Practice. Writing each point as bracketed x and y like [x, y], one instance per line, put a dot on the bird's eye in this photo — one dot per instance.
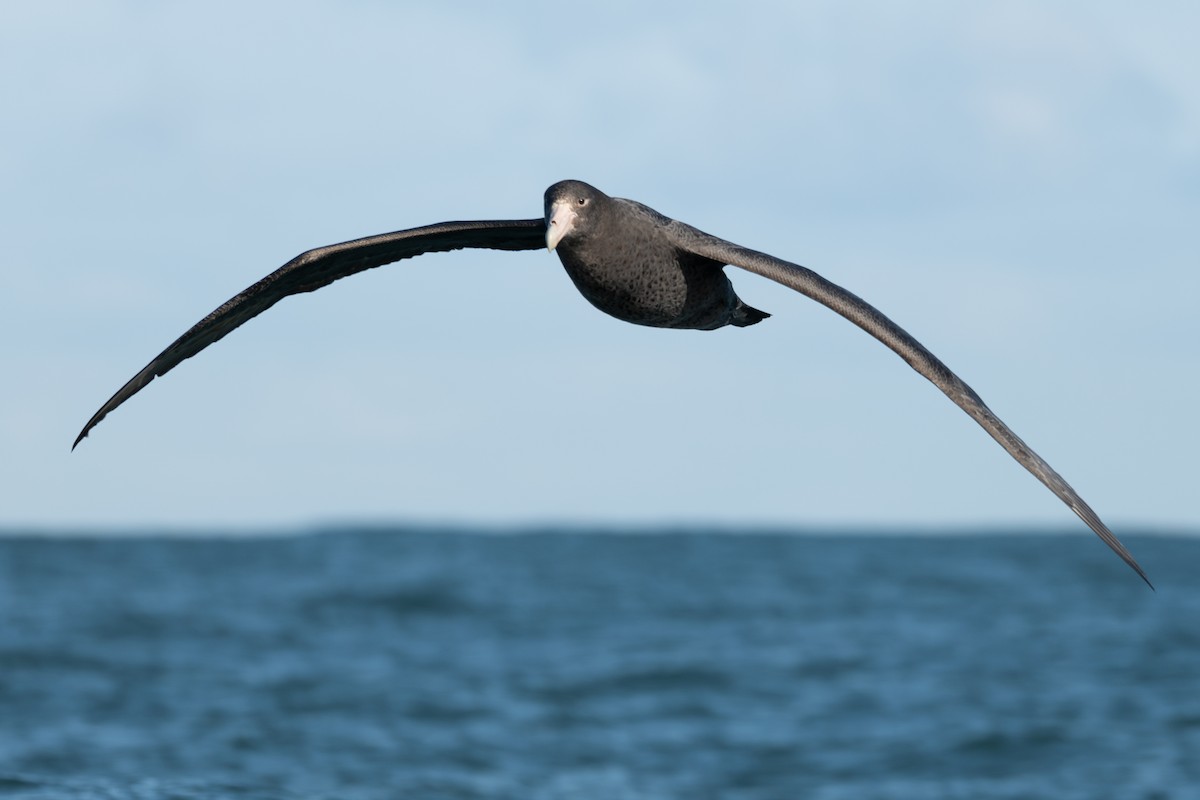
[582, 201]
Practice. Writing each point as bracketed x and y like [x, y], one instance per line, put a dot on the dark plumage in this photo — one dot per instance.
[620, 259]
[628, 261]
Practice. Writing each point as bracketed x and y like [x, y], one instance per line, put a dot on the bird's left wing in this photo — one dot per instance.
[320, 267]
[871, 320]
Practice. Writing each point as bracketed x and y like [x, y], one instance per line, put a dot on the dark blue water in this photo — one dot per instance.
[449, 665]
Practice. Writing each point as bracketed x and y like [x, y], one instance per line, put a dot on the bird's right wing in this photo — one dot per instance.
[320, 267]
[874, 322]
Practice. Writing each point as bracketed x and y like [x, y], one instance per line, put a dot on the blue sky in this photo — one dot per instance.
[1016, 183]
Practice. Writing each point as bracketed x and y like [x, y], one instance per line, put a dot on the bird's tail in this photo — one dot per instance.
[745, 315]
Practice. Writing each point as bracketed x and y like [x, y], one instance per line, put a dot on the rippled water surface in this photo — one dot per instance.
[392, 664]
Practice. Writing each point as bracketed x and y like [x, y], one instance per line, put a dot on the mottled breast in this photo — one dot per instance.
[639, 276]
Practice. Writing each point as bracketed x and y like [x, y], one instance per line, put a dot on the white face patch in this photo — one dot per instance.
[561, 222]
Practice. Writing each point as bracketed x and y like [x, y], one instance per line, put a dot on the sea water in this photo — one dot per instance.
[566, 664]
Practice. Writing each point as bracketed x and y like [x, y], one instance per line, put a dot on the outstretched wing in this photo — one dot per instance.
[320, 267]
[871, 320]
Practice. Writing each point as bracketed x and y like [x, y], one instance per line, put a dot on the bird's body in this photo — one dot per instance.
[626, 265]
[630, 262]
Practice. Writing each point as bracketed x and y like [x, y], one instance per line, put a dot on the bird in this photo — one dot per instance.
[630, 262]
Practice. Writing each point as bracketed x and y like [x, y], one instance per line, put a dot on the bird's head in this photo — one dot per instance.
[570, 210]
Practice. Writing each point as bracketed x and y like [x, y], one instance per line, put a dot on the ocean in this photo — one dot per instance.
[372, 664]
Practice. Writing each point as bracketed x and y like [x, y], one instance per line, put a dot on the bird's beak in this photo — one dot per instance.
[561, 222]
